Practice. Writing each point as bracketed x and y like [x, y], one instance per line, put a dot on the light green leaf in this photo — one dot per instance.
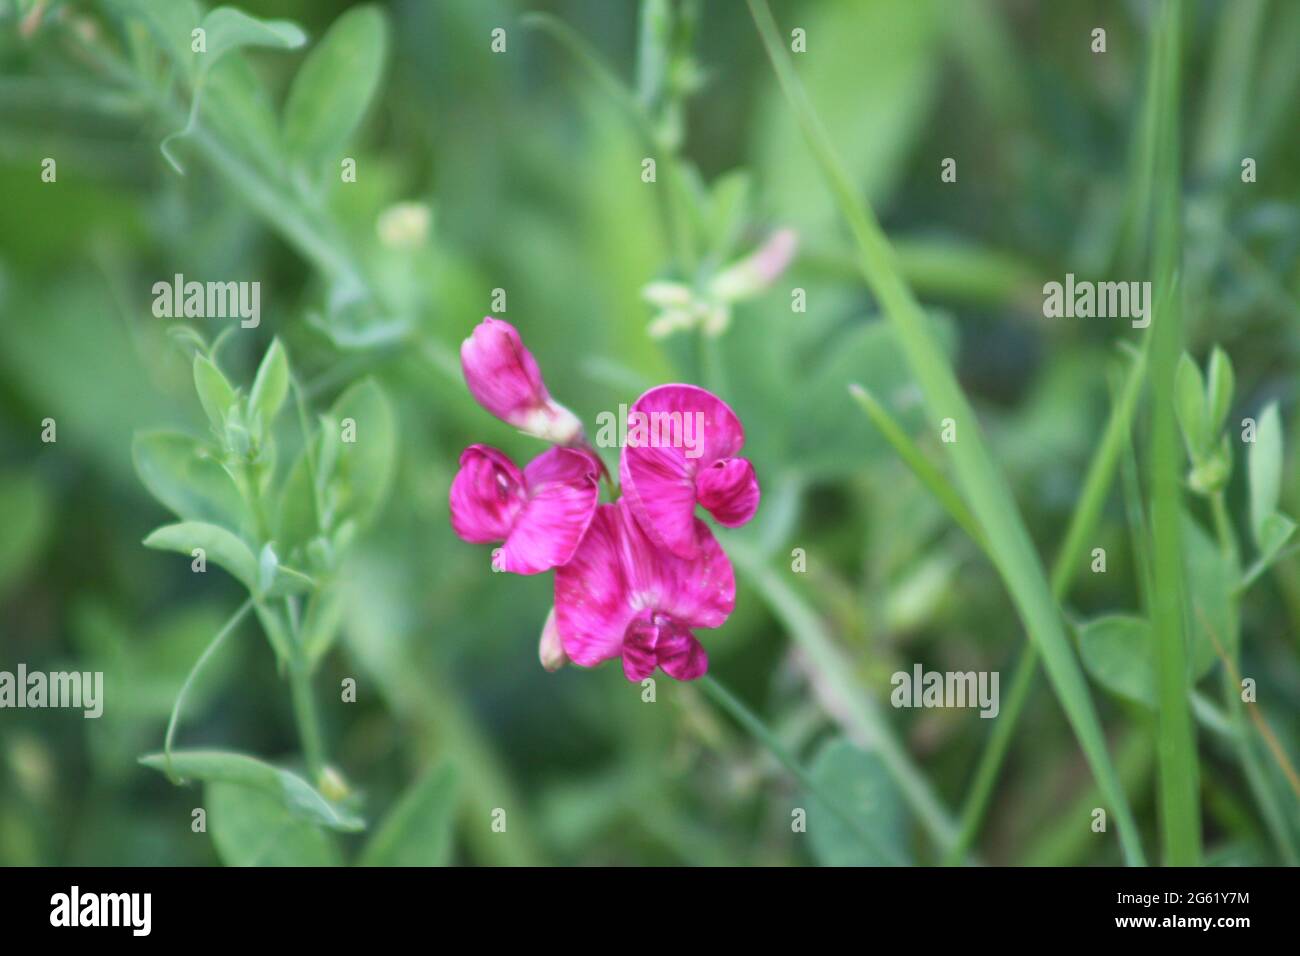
[170, 22]
[1117, 652]
[1219, 389]
[862, 785]
[1265, 470]
[237, 107]
[230, 29]
[219, 545]
[289, 790]
[365, 466]
[335, 85]
[1274, 532]
[1210, 578]
[1189, 406]
[270, 386]
[215, 392]
[417, 831]
[180, 472]
[251, 827]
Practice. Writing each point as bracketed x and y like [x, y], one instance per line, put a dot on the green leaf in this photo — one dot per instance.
[230, 29]
[365, 466]
[295, 519]
[1265, 470]
[219, 545]
[335, 86]
[251, 827]
[170, 22]
[181, 473]
[237, 107]
[1218, 390]
[294, 794]
[1274, 532]
[862, 785]
[1210, 580]
[417, 831]
[1117, 650]
[215, 392]
[271, 385]
[1189, 406]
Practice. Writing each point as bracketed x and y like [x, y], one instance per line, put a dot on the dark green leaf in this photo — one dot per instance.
[862, 785]
[417, 831]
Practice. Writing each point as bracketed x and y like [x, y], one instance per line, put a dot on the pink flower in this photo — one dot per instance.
[622, 596]
[540, 513]
[503, 376]
[683, 453]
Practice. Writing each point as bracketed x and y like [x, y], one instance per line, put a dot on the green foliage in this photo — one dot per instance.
[521, 171]
[297, 797]
[861, 783]
[417, 831]
[334, 87]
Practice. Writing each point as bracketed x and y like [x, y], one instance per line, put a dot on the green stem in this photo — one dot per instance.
[1180, 818]
[304, 712]
[174, 720]
[984, 488]
[752, 723]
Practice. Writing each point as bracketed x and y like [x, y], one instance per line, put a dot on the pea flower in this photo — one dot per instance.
[621, 595]
[663, 480]
[504, 378]
[540, 513]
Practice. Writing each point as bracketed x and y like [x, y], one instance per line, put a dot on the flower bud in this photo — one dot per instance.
[504, 378]
[551, 650]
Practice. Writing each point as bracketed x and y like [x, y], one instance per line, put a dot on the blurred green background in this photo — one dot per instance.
[531, 171]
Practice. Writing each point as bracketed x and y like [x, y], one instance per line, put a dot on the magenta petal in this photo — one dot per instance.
[728, 490]
[639, 648]
[658, 487]
[659, 480]
[699, 592]
[486, 495]
[592, 608]
[501, 374]
[679, 653]
[561, 491]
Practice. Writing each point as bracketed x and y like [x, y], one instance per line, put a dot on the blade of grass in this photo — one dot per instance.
[990, 498]
[926, 473]
[1069, 561]
[1180, 823]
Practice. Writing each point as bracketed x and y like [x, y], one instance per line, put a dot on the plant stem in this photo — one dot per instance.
[304, 712]
[1180, 822]
[990, 499]
[752, 723]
